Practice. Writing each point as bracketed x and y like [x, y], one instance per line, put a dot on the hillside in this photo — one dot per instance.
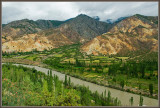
[133, 33]
[18, 28]
[83, 28]
[27, 35]
[44, 40]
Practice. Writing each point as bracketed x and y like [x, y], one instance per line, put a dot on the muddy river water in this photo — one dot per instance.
[121, 95]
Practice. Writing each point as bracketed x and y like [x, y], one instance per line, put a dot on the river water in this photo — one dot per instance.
[121, 95]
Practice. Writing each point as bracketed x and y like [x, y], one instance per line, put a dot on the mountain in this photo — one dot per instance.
[44, 40]
[3, 25]
[19, 28]
[83, 28]
[46, 24]
[132, 33]
[96, 18]
[110, 21]
[137, 32]
[47, 34]
[120, 19]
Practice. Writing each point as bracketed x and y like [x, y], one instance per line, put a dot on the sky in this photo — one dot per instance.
[12, 11]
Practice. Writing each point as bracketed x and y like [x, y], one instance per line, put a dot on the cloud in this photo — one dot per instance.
[64, 10]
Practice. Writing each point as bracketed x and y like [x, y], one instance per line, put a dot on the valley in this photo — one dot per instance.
[96, 69]
[121, 57]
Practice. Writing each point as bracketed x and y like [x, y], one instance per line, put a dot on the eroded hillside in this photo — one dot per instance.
[133, 33]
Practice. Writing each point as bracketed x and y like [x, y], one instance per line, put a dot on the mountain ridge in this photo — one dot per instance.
[98, 37]
[78, 29]
[133, 33]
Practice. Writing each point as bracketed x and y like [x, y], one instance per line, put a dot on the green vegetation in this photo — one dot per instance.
[151, 88]
[141, 101]
[128, 71]
[28, 87]
[131, 101]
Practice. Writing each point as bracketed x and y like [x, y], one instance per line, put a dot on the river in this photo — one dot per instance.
[121, 95]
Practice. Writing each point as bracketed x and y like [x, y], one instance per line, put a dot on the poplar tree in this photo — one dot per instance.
[65, 81]
[141, 101]
[109, 97]
[69, 82]
[131, 101]
[151, 89]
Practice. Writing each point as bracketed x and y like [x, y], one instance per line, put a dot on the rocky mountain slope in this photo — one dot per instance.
[133, 33]
[19, 28]
[55, 33]
[40, 41]
[83, 28]
[137, 32]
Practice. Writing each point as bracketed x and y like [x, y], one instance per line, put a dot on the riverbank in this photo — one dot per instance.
[121, 95]
[126, 88]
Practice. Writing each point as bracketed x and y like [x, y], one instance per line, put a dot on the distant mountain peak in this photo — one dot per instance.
[82, 16]
[110, 21]
[96, 18]
[24, 19]
[138, 15]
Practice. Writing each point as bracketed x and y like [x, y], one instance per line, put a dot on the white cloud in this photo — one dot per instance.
[64, 10]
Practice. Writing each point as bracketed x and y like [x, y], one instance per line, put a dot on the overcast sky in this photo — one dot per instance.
[64, 10]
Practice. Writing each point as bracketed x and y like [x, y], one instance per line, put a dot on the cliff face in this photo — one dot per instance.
[133, 33]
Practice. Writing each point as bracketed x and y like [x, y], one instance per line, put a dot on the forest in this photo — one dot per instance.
[24, 86]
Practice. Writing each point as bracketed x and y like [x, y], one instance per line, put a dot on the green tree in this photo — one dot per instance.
[131, 101]
[78, 64]
[105, 93]
[141, 101]
[109, 97]
[65, 81]
[71, 99]
[46, 93]
[140, 86]
[69, 81]
[142, 70]
[50, 82]
[151, 89]
[122, 83]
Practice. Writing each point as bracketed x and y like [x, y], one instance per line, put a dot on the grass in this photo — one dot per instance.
[122, 57]
[58, 55]
[105, 70]
[134, 82]
[21, 56]
[72, 60]
[31, 57]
